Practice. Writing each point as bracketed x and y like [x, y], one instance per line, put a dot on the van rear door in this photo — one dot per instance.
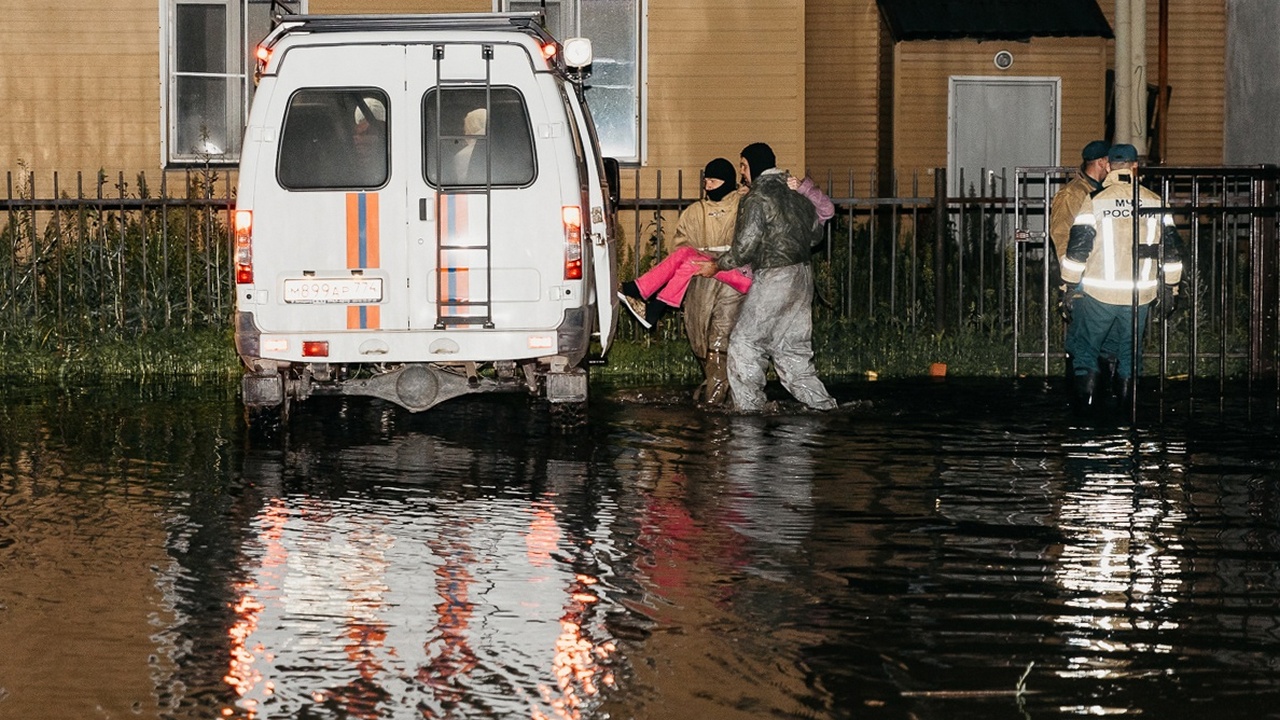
[326, 231]
[494, 168]
[604, 250]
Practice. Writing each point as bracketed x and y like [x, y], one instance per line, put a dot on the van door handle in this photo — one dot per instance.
[426, 209]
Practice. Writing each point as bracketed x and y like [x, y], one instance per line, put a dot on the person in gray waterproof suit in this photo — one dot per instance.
[776, 232]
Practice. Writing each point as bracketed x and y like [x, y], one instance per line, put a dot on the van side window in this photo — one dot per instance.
[467, 142]
[334, 138]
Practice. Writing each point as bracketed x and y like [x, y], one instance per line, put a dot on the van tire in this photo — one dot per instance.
[266, 420]
[567, 415]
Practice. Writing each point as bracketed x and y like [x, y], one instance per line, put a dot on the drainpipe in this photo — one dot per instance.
[1123, 73]
[1131, 74]
[1138, 26]
[1161, 151]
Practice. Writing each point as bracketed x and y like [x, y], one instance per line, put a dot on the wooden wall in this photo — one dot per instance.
[80, 83]
[1197, 74]
[396, 7]
[723, 74]
[923, 69]
[843, 89]
[81, 86]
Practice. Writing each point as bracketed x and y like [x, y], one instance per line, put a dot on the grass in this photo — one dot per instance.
[206, 353]
[842, 351]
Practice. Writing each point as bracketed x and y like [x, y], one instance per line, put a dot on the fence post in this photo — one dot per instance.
[1262, 266]
[939, 246]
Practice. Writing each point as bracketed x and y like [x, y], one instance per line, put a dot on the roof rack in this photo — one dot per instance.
[528, 22]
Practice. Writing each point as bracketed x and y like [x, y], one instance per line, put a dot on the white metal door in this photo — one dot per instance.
[997, 124]
[493, 249]
[329, 212]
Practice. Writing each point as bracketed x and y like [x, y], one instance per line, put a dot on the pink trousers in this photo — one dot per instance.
[670, 278]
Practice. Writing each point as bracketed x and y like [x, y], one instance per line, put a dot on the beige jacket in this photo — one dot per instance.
[707, 224]
[1100, 253]
[1066, 204]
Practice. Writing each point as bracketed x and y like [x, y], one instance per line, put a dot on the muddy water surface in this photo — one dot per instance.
[953, 549]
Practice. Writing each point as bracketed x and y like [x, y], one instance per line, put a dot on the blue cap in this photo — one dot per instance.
[1123, 152]
[1095, 150]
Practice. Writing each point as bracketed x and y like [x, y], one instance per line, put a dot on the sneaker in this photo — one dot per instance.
[630, 289]
[654, 310]
[637, 308]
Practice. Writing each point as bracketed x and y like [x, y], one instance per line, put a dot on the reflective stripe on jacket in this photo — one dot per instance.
[1100, 252]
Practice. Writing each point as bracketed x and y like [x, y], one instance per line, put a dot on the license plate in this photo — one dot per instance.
[333, 290]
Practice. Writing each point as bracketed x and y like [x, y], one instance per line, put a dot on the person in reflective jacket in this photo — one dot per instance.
[1098, 271]
[776, 231]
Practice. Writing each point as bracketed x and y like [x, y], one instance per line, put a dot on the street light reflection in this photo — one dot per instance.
[1120, 567]
[471, 604]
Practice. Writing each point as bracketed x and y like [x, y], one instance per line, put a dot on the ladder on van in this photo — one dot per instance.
[459, 254]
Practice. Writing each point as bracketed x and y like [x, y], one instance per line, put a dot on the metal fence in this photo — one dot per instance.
[1228, 220]
[123, 256]
[917, 257]
[110, 255]
[884, 252]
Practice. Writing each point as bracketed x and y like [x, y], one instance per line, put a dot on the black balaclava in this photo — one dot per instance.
[759, 158]
[721, 169]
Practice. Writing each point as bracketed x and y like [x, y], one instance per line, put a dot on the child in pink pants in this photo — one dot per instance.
[665, 285]
[669, 279]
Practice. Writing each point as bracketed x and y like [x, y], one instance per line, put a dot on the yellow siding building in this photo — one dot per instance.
[87, 84]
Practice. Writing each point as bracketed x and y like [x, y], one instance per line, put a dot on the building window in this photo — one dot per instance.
[205, 61]
[615, 88]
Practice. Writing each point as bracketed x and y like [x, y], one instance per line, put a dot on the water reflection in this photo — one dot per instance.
[466, 593]
[909, 559]
[1120, 565]
[721, 532]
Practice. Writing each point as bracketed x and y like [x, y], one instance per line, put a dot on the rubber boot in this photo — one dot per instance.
[717, 383]
[1083, 390]
[1122, 389]
[630, 289]
[1105, 383]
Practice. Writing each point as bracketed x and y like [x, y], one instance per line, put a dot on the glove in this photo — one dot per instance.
[1168, 300]
[1066, 300]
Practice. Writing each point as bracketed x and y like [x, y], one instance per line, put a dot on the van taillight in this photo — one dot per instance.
[263, 56]
[244, 247]
[572, 215]
[315, 348]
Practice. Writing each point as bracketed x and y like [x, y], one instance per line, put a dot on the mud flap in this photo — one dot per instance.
[569, 386]
[262, 390]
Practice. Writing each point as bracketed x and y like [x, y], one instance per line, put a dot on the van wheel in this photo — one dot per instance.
[265, 420]
[567, 415]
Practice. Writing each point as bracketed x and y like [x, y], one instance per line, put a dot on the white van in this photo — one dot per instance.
[422, 213]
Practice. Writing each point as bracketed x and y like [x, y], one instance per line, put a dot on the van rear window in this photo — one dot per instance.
[334, 138]
[472, 139]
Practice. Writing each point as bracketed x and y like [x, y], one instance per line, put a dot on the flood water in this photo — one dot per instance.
[934, 549]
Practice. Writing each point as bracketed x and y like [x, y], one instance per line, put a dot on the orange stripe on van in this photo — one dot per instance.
[364, 317]
[363, 250]
[455, 286]
[454, 282]
[453, 217]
